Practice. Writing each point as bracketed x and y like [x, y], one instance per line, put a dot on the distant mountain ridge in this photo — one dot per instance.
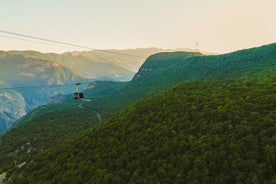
[99, 64]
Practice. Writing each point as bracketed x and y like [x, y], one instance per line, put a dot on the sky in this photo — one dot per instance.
[218, 26]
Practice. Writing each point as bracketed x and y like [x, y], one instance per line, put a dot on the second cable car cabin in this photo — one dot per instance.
[77, 94]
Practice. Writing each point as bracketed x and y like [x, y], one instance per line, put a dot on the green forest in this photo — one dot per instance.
[194, 133]
[183, 118]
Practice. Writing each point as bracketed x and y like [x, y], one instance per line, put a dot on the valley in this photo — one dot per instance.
[138, 92]
[31, 68]
[184, 117]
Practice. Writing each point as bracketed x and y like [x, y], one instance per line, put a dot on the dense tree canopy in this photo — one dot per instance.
[194, 133]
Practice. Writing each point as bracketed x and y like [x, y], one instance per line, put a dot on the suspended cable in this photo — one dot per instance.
[43, 39]
[65, 43]
[48, 41]
[45, 43]
[44, 86]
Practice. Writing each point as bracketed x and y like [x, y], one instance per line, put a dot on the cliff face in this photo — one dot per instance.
[13, 107]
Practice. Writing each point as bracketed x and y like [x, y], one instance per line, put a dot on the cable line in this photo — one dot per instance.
[44, 86]
[52, 42]
[43, 39]
[65, 43]
[34, 41]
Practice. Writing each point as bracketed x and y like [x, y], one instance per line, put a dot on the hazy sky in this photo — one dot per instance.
[217, 25]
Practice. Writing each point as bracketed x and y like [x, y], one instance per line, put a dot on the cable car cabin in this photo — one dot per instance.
[78, 95]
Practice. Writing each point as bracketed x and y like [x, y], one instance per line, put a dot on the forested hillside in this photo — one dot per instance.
[197, 132]
[164, 70]
[251, 70]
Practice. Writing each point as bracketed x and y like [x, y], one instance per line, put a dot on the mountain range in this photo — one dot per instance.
[183, 118]
[32, 68]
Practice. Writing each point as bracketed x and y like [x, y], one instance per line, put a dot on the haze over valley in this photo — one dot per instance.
[32, 68]
[138, 92]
